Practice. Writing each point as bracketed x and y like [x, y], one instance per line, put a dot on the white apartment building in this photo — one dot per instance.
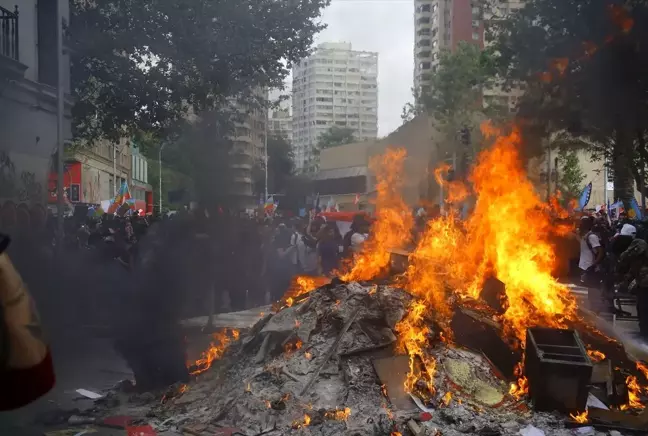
[281, 124]
[335, 86]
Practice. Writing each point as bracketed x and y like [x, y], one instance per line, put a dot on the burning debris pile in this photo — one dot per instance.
[346, 358]
[457, 344]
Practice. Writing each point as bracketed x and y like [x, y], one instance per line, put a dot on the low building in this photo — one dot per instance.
[141, 189]
[344, 177]
[28, 103]
[94, 174]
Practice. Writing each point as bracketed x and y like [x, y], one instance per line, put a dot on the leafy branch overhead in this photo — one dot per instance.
[336, 136]
[584, 64]
[143, 65]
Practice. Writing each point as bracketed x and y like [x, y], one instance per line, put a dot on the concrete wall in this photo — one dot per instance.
[345, 156]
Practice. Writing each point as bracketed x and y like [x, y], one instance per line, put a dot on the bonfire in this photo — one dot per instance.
[441, 347]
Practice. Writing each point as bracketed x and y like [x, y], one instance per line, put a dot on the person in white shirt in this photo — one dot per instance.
[305, 254]
[591, 257]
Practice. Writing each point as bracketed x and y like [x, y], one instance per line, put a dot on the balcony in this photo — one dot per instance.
[9, 47]
[9, 33]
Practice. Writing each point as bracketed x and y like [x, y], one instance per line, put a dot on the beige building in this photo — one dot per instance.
[344, 170]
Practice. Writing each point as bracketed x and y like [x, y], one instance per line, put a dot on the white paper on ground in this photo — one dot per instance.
[530, 430]
[594, 402]
[89, 394]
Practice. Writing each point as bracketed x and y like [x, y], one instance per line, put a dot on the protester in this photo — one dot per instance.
[328, 249]
[26, 369]
[282, 266]
[591, 258]
[356, 236]
[633, 265]
[305, 255]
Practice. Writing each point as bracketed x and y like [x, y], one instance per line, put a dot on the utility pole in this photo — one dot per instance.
[114, 170]
[265, 146]
[605, 182]
[160, 168]
[60, 116]
[548, 172]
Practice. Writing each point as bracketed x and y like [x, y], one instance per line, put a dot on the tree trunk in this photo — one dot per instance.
[624, 185]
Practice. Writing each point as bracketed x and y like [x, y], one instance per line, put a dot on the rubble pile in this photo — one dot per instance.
[331, 363]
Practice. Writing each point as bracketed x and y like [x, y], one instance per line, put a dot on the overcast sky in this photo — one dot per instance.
[384, 26]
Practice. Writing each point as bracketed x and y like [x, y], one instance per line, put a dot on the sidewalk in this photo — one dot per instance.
[237, 320]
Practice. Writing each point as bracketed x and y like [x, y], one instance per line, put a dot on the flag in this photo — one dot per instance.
[585, 197]
[616, 209]
[123, 196]
[634, 206]
[357, 199]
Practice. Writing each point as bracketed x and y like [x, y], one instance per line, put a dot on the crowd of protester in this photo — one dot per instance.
[613, 263]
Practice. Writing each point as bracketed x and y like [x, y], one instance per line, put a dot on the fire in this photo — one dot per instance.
[289, 301]
[456, 191]
[413, 334]
[216, 350]
[521, 387]
[339, 414]
[290, 347]
[393, 220]
[579, 417]
[396, 433]
[299, 286]
[183, 389]
[596, 355]
[634, 392]
[383, 388]
[643, 368]
[304, 423]
[447, 398]
[268, 404]
[308, 355]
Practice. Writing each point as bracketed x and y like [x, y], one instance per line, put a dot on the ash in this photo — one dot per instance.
[309, 369]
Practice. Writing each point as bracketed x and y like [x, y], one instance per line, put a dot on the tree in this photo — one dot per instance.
[144, 65]
[570, 177]
[584, 66]
[336, 136]
[454, 98]
[280, 166]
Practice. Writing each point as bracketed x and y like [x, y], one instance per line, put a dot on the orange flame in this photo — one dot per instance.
[634, 392]
[216, 350]
[338, 414]
[413, 333]
[580, 417]
[393, 221]
[308, 355]
[447, 398]
[596, 355]
[643, 368]
[456, 191]
[303, 423]
[520, 388]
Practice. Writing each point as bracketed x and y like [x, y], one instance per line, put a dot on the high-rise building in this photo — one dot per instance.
[442, 25]
[281, 124]
[495, 95]
[335, 86]
[248, 149]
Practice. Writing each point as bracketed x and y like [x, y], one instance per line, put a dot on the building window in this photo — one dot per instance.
[424, 43]
[426, 8]
[425, 65]
[424, 20]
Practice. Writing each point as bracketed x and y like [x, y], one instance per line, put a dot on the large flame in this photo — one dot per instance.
[393, 220]
[506, 236]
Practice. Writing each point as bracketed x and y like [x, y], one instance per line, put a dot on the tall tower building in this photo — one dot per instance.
[335, 86]
[442, 25]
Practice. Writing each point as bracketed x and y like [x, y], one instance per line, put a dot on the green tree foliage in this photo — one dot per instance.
[280, 166]
[336, 136]
[455, 91]
[570, 176]
[142, 64]
[584, 65]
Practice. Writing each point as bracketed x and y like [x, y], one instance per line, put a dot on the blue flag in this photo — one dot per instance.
[585, 197]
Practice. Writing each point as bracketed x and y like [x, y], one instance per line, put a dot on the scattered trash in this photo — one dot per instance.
[89, 394]
[530, 430]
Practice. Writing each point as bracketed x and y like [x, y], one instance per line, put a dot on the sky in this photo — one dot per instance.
[386, 27]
